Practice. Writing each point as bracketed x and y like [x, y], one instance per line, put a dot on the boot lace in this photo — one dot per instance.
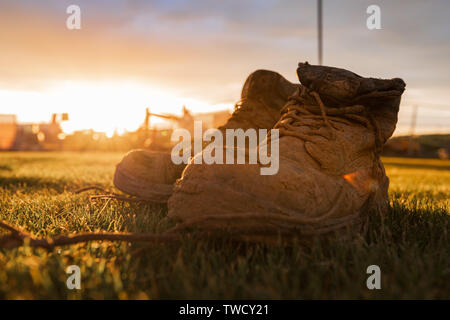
[306, 107]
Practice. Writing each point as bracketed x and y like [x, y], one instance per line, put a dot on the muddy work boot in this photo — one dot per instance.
[330, 174]
[151, 175]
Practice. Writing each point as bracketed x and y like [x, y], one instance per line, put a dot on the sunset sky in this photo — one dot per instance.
[162, 54]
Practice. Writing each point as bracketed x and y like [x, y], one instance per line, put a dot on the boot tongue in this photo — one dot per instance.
[339, 87]
[270, 86]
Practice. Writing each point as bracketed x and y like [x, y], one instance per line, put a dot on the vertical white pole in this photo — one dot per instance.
[319, 27]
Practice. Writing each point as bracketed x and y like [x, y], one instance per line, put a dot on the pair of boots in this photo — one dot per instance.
[332, 127]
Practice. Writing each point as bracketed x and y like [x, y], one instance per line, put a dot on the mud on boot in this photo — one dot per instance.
[151, 175]
[330, 174]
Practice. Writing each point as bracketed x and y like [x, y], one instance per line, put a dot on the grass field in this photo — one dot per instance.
[411, 244]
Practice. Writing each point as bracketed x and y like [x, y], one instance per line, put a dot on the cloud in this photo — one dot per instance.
[201, 53]
[204, 49]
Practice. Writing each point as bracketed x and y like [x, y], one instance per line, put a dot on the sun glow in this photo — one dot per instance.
[106, 107]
